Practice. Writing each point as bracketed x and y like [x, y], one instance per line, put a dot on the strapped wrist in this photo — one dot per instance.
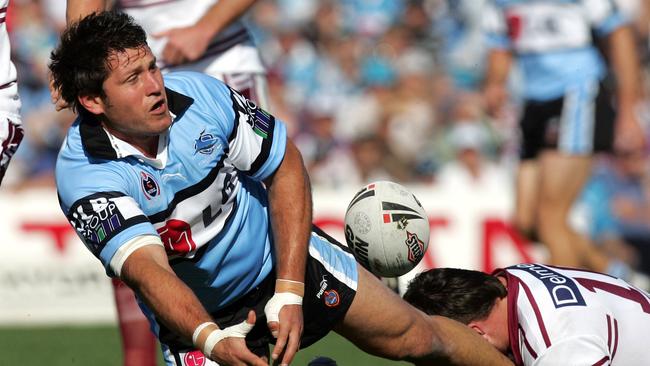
[294, 287]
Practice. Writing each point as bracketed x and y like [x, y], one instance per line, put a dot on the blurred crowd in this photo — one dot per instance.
[369, 89]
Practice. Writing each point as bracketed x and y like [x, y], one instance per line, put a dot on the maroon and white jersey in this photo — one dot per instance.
[11, 131]
[9, 102]
[231, 51]
[561, 316]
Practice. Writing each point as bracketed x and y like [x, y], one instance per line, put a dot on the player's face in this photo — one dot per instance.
[135, 105]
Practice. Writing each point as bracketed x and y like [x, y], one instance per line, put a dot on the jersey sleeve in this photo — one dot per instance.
[580, 350]
[604, 16]
[495, 27]
[257, 142]
[103, 216]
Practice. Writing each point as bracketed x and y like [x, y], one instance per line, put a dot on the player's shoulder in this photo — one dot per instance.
[78, 175]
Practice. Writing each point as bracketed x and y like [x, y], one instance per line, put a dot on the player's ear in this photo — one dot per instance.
[92, 103]
[475, 326]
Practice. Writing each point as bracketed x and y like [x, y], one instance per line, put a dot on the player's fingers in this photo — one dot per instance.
[283, 336]
[292, 347]
[249, 358]
[273, 327]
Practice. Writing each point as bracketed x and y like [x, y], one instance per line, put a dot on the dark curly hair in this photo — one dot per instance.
[459, 294]
[80, 64]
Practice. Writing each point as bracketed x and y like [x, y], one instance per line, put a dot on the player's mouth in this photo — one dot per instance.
[159, 107]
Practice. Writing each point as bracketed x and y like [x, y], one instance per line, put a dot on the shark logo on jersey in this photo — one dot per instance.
[260, 121]
[149, 185]
[205, 143]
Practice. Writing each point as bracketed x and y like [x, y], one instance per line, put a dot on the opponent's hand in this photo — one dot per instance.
[232, 350]
[184, 44]
[285, 320]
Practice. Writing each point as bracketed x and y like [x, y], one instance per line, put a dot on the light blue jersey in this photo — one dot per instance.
[202, 194]
[552, 41]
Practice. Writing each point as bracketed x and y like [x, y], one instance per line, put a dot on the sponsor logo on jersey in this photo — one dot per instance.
[323, 287]
[562, 289]
[194, 358]
[149, 185]
[176, 236]
[205, 143]
[416, 247]
[331, 298]
[260, 121]
[97, 218]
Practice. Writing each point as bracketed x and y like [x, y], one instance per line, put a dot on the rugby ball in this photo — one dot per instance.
[386, 229]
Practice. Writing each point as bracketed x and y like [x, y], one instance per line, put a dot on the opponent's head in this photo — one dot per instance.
[104, 66]
[470, 297]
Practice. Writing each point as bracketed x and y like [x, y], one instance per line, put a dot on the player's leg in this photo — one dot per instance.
[527, 193]
[562, 179]
[138, 343]
[253, 86]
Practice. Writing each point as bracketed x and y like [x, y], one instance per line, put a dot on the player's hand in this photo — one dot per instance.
[233, 350]
[495, 96]
[629, 133]
[184, 44]
[285, 320]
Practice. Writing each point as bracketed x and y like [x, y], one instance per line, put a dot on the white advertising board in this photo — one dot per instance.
[48, 277]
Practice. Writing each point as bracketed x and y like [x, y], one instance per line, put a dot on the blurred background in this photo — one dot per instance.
[370, 90]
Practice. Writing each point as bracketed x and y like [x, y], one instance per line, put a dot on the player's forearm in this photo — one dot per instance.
[498, 67]
[462, 346]
[77, 9]
[625, 64]
[146, 271]
[291, 214]
[221, 14]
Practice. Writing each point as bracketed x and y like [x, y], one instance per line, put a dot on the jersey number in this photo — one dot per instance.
[627, 293]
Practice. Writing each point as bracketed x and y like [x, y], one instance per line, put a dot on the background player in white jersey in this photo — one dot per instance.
[199, 35]
[543, 315]
[11, 130]
[201, 204]
[568, 113]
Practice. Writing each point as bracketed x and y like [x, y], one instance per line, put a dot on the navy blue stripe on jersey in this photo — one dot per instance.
[99, 217]
[190, 191]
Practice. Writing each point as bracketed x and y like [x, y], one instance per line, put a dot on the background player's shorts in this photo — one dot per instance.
[580, 123]
[11, 133]
[330, 285]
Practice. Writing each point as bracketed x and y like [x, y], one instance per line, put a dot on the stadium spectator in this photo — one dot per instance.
[210, 37]
[542, 315]
[11, 130]
[567, 111]
[616, 203]
[177, 206]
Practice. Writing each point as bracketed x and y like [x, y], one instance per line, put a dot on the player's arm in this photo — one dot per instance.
[459, 345]
[189, 43]
[291, 215]
[496, 77]
[148, 273]
[625, 65]
[78, 9]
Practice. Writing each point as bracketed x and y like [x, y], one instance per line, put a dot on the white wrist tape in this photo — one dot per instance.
[198, 330]
[237, 331]
[280, 299]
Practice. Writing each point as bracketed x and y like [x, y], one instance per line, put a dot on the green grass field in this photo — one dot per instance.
[99, 346]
